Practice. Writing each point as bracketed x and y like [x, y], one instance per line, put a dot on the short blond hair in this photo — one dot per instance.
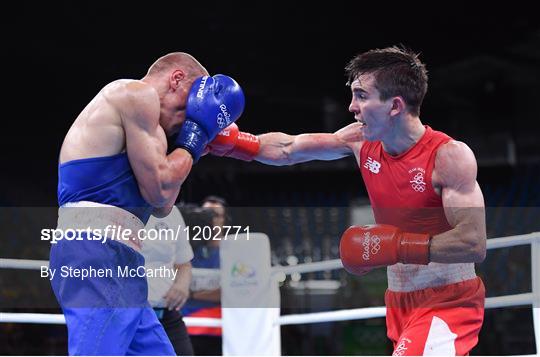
[177, 59]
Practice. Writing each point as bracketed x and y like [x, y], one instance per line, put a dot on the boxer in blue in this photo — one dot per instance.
[114, 171]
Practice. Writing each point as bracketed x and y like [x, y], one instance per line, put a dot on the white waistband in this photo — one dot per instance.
[93, 215]
[411, 277]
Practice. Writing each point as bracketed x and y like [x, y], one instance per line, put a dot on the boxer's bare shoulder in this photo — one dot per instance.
[455, 165]
[99, 128]
[130, 96]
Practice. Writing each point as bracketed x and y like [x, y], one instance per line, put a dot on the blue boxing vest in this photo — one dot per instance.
[108, 180]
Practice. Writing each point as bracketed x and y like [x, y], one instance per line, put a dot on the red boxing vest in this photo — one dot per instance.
[400, 188]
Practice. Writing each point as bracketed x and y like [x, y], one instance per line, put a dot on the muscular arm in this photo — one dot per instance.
[159, 175]
[280, 149]
[463, 202]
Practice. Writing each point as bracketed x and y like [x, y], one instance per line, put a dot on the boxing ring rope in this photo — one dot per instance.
[60, 320]
[532, 298]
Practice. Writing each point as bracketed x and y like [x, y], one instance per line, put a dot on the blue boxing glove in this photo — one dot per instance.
[213, 104]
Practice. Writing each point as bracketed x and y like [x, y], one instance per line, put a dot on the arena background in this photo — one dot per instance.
[484, 68]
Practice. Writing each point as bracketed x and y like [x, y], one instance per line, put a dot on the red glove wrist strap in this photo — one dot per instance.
[414, 248]
[246, 148]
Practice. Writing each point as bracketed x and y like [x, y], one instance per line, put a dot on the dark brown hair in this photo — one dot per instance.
[397, 72]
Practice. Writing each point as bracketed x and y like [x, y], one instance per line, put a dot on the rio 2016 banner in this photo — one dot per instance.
[250, 297]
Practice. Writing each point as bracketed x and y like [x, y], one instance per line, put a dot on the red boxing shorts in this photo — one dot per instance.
[442, 321]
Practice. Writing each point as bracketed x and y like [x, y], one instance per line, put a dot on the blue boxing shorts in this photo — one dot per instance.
[103, 296]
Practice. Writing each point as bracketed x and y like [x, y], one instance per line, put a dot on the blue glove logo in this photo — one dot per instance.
[220, 120]
[223, 118]
[213, 104]
[201, 87]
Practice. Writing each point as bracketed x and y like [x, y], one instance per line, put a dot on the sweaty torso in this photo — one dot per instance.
[94, 164]
[403, 192]
[98, 130]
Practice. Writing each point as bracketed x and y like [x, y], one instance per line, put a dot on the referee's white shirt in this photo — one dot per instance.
[172, 248]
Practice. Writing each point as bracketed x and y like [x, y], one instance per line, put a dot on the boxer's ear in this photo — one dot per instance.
[176, 78]
[398, 106]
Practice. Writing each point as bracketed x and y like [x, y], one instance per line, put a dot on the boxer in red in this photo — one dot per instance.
[428, 206]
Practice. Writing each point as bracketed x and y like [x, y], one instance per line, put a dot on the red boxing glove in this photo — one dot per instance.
[231, 142]
[377, 245]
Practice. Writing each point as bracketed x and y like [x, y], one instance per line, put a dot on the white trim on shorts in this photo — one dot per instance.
[87, 216]
[412, 277]
[441, 341]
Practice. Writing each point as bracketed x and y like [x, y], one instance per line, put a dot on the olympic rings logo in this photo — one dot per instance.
[417, 183]
[371, 245]
[220, 120]
[375, 245]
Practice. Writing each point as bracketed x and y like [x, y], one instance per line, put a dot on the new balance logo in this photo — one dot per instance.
[372, 165]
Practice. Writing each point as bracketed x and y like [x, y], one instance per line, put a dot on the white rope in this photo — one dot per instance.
[328, 316]
[293, 319]
[509, 300]
[32, 318]
[59, 319]
[492, 243]
[22, 264]
[512, 241]
[308, 267]
[373, 312]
